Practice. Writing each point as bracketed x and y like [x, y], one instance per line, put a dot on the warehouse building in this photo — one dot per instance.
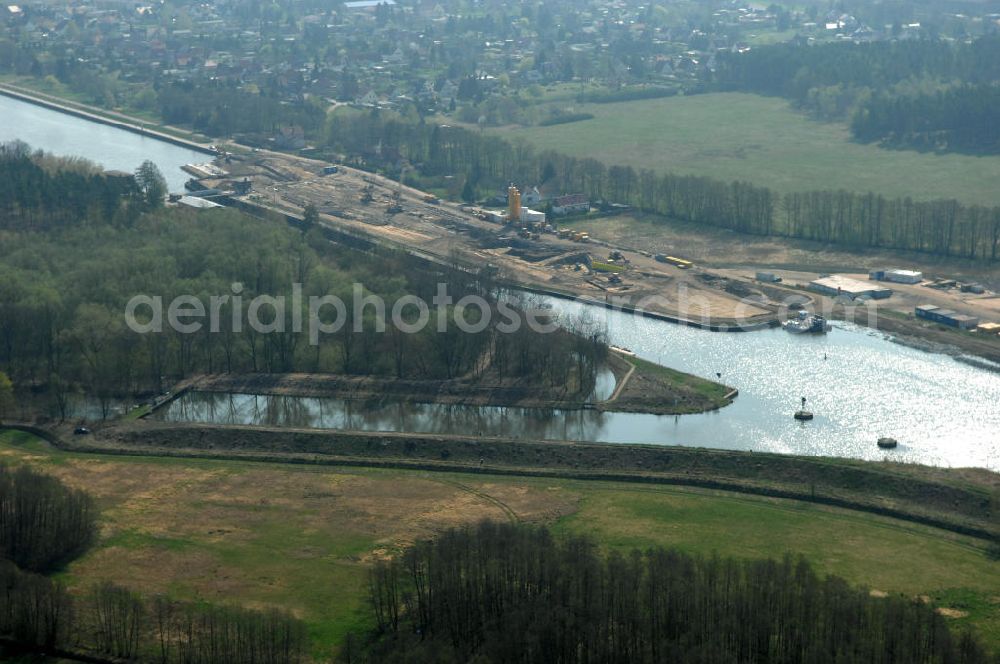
[946, 317]
[836, 285]
[897, 276]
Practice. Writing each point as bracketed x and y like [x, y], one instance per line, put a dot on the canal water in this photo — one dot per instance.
[859, 383]
[113, 148]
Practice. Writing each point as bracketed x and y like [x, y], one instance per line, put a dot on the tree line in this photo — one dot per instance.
[963, 118]
[38, 613]
[514, 593]
[791, 69]
[940, 227]
[40, 191]
[64, 290]
[927, 94]
[45, 525]
[219, 109]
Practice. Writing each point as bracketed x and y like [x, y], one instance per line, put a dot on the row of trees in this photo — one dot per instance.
[39, 191]
[927, 94]
[961, 118]
[792, 69]
[942, 227]
[220, 109]
[43, 524]
[509, 593]
[38, 613]
[125, 625]
[64, 291]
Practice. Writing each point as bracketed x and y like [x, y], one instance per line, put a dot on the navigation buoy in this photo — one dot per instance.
[803, 415]
[887, 443]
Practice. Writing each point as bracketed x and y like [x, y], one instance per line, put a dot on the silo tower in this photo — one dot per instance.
[513, 205]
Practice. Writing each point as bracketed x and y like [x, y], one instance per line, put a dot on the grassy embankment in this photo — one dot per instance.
[963, 500]
[735, 136]
[652, 388]
[265, 534]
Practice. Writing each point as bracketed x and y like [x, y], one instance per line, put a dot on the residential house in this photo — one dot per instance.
[570, 204]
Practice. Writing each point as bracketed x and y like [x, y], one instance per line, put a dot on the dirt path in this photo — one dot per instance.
[621, 383]
[496, 502]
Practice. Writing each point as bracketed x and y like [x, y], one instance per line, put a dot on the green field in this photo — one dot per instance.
[761, 139]
[301, 538]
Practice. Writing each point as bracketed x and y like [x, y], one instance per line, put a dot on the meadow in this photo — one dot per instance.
[735, 136]
[302, 538]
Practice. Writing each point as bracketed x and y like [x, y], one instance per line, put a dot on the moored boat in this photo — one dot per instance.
[622, 351]
[807, 323]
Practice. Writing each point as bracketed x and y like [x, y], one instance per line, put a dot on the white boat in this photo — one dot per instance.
[622, 351]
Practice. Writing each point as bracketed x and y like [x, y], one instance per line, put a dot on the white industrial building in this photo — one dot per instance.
[836, 284]
[897, 276]
[527, 216]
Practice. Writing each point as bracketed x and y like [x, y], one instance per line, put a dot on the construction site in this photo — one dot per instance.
[515, 243]
[520, 247]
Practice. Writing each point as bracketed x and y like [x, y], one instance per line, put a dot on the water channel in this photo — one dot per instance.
[111, 147]
[859, 383]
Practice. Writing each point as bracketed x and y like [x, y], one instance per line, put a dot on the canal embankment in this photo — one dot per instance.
[640, 387]
[960, 500]
[100, 116]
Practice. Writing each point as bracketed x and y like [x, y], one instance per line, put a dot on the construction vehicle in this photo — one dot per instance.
[395, 203]
[673, 260]
[368, 193]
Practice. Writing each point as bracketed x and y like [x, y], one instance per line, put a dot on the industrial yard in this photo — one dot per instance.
[519, 247]
[393, 214]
